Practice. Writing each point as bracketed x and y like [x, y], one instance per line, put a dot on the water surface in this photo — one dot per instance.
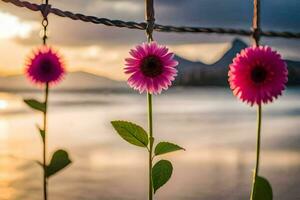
[217, 131]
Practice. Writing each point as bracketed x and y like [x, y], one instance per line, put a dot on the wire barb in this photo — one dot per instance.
[45, 10]
[149, 29]
[156, 27]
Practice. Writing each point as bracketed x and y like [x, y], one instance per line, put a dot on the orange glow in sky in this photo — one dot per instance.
[95, 59]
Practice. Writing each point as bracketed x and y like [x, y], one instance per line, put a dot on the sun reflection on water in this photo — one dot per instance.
[3, 130]
[8, 173]
[3, 104]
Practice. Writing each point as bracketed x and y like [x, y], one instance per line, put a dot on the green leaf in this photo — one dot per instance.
[161, 173]
[262, 189]
[132, 133]
[166, 147]
[42, 132]
[59, 161]
[35, 104]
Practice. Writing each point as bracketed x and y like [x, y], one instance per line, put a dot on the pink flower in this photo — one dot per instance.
[45, 66]
[151, 68]
[258, 75]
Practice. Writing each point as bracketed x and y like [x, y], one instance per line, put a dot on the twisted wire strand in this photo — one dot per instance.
[143, 25]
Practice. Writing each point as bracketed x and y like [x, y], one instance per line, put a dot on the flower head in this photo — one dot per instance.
[151, 68]
[258, 75]
[45, 66]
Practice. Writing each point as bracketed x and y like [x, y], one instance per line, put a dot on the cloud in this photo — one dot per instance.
[101, 49]
[13, 27]
[276, 14]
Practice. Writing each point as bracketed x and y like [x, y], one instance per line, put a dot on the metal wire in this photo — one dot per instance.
[143, 25]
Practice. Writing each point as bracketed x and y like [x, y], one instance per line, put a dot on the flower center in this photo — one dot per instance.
[46, 66]
[151, 66]
[258, 74]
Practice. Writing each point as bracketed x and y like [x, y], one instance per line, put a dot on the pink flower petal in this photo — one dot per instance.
[45, 66]
[143, 82]
[248, 89]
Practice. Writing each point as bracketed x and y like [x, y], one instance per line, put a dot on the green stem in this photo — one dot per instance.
[45, 181]
[256, 170]
[149, 97]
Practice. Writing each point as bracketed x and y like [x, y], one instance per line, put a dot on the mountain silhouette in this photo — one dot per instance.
[74, 81]
[189, 74]
[201, 74]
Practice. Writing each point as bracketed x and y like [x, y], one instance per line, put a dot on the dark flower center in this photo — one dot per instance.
[258, 74]
[46, 66]
[151, 66]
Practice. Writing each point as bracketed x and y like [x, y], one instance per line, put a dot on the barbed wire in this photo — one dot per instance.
[143, 25]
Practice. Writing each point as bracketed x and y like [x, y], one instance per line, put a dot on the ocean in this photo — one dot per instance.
[217, 131]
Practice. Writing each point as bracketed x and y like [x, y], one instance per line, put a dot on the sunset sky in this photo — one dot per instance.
[101, 50]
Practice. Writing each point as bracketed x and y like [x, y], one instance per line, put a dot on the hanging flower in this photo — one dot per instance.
[45, 65]
[151, 68]
[258, 75]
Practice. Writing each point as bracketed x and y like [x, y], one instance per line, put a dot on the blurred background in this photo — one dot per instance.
[199, 112]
